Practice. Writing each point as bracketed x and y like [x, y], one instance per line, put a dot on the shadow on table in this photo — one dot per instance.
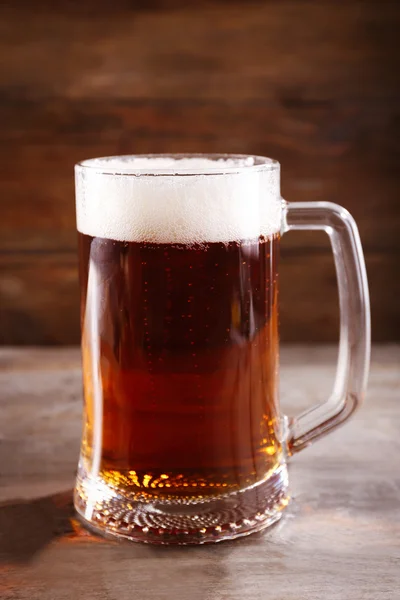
[27, 526]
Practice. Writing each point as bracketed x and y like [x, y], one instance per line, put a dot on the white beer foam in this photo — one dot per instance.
[178, 201]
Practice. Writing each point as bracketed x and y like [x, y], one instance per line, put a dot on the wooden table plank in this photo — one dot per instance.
[340, 538]
[39, 297]
[252, 50]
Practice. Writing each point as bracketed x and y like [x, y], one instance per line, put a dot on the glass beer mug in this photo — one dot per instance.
[183, 438]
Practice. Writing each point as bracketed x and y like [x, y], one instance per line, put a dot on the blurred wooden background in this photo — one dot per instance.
[314, 84]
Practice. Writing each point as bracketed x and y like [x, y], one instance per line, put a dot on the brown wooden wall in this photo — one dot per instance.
[314, 84]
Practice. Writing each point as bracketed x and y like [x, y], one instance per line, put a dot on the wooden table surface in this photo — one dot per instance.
[340, 538]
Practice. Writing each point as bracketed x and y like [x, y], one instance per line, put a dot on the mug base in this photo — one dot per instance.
[226, 517]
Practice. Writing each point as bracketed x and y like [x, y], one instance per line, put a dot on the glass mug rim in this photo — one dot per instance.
[246, 163]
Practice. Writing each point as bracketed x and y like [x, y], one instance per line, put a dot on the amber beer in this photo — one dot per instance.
[180, 351]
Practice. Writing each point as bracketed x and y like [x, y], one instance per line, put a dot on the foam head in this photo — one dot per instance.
[178, 200]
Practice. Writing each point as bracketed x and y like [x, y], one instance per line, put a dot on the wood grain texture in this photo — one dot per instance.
[336, 155]
[203, 52]
[340, 538]
[313, 84]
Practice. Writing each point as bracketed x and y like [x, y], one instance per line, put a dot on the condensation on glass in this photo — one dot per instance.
[183, 439]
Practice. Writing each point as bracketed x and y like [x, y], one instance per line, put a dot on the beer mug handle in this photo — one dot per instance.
[354, 342]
